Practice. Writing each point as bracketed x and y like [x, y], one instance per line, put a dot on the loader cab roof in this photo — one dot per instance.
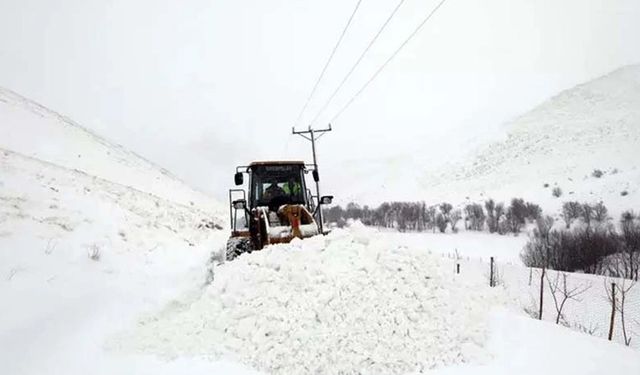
[262, 163]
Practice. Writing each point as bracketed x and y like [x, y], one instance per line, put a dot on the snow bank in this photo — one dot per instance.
[344, 303]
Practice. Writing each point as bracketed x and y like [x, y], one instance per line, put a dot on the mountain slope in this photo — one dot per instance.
[595, 125]
[80, 255]
[31, 129]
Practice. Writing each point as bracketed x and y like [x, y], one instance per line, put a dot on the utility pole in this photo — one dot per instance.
[312, 135]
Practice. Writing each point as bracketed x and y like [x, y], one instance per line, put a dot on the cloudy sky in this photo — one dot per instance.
[200, 86]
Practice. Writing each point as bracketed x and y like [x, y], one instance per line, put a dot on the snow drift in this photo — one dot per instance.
[346, 303]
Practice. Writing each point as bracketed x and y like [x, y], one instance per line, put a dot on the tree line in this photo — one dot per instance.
[418, 216]
[595, 245]
[586, 238]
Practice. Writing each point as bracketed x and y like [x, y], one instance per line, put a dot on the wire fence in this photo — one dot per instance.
[592, 304]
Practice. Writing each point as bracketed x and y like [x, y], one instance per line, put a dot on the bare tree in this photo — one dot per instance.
[570, 212]
[454, 217]
[600, 212]
[587, 214]
[431, 214]
[499, 218]
[631, 246]
[536, 251]
[618, 298]
[624, 291]
[446, 208]
[562, 293]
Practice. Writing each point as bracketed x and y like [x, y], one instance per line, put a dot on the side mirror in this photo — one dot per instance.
[316, 177]
[326, 199]
[239, 204]
[238, 178]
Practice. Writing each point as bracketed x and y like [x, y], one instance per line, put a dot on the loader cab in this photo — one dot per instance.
[272, 184]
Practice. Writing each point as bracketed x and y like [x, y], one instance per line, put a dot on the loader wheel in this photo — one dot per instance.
[237, 246]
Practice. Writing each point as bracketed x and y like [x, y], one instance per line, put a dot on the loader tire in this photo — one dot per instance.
[238, 246]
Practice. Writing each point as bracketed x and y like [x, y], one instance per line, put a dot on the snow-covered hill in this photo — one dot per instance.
[91, 234]
[594, 126]
[31, 129]
[80, 255]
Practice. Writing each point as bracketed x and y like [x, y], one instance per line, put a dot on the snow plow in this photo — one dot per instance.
[278, 207]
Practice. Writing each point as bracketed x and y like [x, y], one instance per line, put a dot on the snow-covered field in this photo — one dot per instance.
[351, 302]
[104, 269]
[467, 244]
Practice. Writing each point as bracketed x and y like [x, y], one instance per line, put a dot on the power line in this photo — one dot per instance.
[326, 65]
[415, 31]
[353, 68]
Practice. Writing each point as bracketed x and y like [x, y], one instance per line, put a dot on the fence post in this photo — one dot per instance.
[613, 309]
[541, 292]
[491, 272]
[458, 268]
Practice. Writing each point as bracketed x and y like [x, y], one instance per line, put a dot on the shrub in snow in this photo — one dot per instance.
[446, 208]
[624, 193]
[597, 173]
[512, 222]
[556, 192]
[94, 252]
[533, 211]
[516, 215]
[535, 251]
[475, 216]
[441, 223]
[492, 217]
[51, 246]
[501, 218]
[582, 249]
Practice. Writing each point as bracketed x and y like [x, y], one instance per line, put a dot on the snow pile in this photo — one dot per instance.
[345, 303]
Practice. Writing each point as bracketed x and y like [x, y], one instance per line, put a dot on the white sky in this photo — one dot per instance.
[201, 86]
